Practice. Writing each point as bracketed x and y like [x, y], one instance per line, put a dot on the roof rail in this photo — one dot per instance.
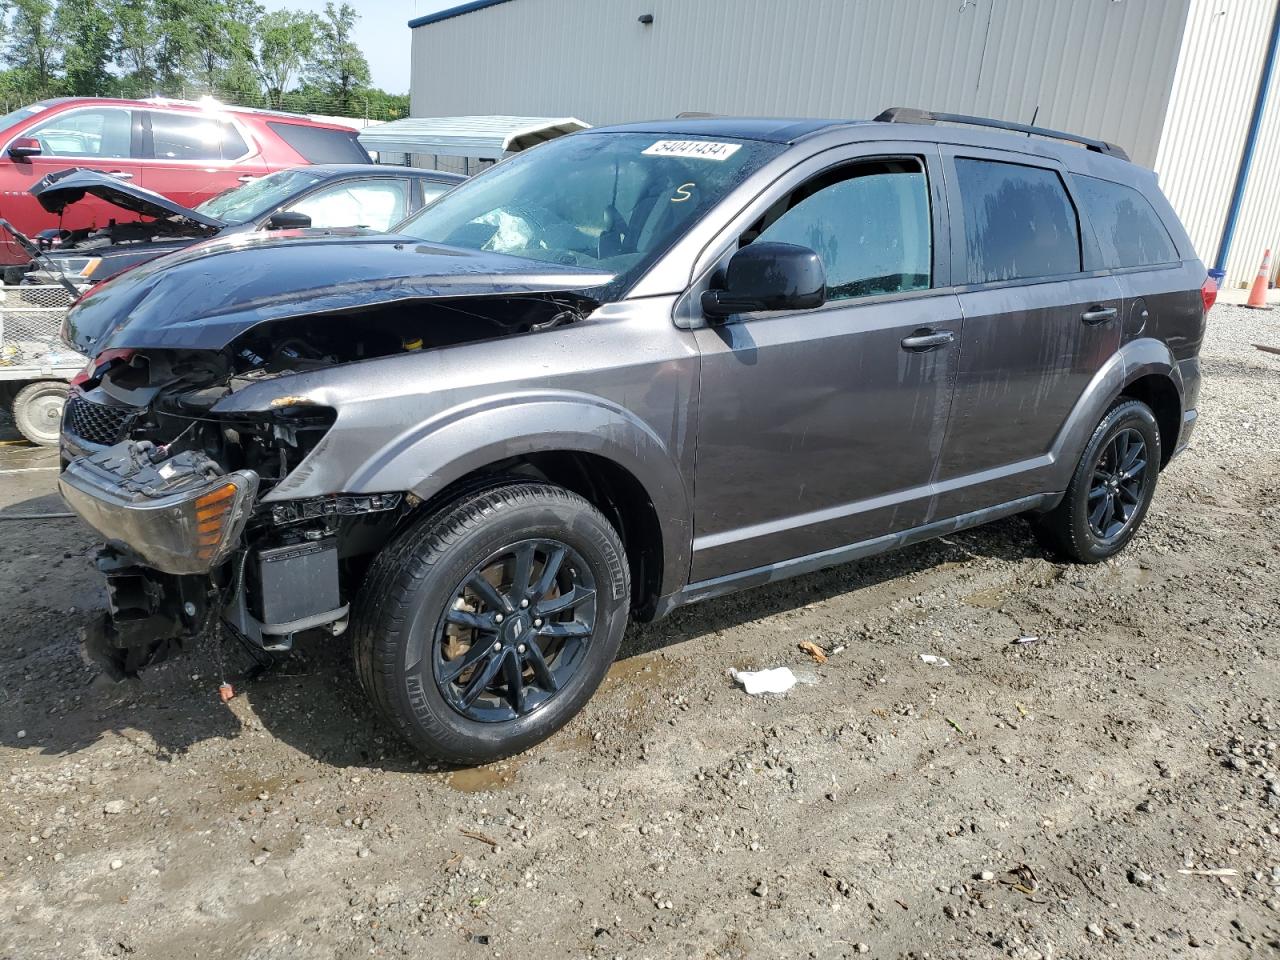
[911, 115]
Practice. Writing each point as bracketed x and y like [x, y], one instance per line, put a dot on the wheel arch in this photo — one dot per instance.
[1158, 391]
[1144, 369]
[594, 448]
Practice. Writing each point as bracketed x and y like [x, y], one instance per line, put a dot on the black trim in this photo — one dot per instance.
[770, 573]
[911, 115]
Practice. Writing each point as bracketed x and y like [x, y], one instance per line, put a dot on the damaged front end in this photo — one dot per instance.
[177, 477]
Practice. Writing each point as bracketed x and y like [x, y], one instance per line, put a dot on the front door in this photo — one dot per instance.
[1037, 325]
[821, 428]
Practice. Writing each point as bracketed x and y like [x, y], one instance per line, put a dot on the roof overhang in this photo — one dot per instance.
[487, 138]
[450, 12]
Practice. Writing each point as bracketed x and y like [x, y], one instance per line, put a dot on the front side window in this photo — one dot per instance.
[258, 197]
[376, 204]
[869, 222]
[1019, 223]
[189, 136]
[613, 202]
[1129, 231]
[103, 132]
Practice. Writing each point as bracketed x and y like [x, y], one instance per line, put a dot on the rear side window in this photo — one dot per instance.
[1130, 233]
[189, 136]
[1019, 223]
[869, 222]
[320, 144]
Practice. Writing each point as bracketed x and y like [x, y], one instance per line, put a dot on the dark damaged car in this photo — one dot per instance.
[320, 195]
[626, 370]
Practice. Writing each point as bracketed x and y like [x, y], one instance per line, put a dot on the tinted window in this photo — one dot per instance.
[189, 136]
[869, 223]
[96, 132]
[1129, 232]
[1018, 222]
[357, 203]
[320, 144]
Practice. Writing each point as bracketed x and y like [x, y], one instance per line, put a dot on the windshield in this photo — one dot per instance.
[257, 197]
[7, 120]
[607, 201]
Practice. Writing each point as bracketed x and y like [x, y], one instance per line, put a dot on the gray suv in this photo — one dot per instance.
[629, 369]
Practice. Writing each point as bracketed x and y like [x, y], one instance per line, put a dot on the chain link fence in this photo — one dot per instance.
[30, 331]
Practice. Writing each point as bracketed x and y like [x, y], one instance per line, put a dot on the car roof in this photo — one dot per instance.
[332, 170]
[192, 106]
[831, 132]
[768, 129]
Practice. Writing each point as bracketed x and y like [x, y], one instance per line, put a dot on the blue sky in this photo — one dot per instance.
[382, 33]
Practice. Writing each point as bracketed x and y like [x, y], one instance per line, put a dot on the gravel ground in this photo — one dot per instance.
[1109, 791]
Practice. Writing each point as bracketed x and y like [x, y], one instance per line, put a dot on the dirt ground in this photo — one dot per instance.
[1066, 798]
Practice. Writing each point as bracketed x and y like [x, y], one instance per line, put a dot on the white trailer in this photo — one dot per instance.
[35, 365]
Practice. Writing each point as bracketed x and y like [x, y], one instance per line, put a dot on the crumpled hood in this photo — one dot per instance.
[60, 190]
[203, 297]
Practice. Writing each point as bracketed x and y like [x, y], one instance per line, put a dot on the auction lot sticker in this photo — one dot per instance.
[698, 149]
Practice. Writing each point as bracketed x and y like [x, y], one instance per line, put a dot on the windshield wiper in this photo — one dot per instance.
[38, 255]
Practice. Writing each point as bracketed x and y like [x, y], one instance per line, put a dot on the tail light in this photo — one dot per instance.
[1209, 293]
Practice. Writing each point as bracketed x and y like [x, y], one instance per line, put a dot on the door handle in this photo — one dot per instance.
[1096, 315]
[247, 178]
[120, 174]
[923, 340]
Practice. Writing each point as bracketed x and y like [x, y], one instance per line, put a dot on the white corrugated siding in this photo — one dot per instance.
[1098, 67]
[1211, 103]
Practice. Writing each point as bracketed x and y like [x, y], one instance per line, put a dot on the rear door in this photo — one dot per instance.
[1038, 325]
[190, 157]
[105, 138]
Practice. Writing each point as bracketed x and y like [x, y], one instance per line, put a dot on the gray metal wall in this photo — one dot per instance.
[1095, 66]
[1213, 96]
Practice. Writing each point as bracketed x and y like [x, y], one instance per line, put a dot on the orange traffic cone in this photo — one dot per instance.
[1258, 295]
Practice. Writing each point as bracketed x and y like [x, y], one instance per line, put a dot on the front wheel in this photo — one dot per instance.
[37, 411]
[1111, 489]
[484, 628]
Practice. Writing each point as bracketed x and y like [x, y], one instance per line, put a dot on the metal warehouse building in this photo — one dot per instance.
[1186, 86]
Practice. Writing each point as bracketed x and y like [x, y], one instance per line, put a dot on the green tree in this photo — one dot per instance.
[31, 46]
[338, 66]
[222, 31]
[135, 46]
[88, 47]
[285, 41]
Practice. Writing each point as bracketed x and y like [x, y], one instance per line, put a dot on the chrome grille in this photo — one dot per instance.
[97, 423]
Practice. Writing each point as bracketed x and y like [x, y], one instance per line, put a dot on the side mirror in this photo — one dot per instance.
[288, 220]
[24, 147]
[769, 276]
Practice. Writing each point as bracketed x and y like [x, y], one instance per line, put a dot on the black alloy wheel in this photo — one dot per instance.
[487, 624]
[518, 627]
[1119, 478]
[1110, 489]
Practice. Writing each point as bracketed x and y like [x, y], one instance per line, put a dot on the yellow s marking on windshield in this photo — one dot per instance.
[683, 192]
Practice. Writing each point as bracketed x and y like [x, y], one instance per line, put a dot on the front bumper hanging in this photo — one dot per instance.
[181, 515]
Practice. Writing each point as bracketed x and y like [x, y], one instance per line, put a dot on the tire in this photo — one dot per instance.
[37, 411]
[1080, 528]
[437, 621]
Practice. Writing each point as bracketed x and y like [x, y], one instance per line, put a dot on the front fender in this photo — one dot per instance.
[431, 454]
[1136, 359]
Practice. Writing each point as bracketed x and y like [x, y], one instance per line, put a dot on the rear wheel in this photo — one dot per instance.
[37, 411]
[1111, 489]
[485, 628]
